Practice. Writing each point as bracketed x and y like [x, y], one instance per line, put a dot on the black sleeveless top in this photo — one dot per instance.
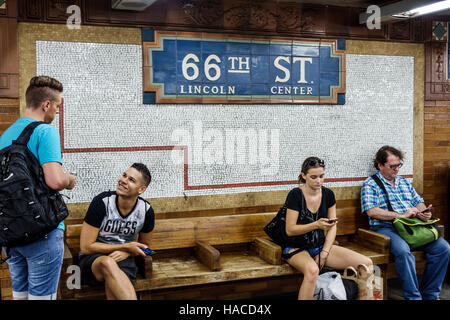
[296, 201]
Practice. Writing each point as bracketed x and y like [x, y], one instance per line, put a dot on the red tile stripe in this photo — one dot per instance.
[186, 164]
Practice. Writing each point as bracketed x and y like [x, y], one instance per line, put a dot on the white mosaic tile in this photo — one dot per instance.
[103, 109]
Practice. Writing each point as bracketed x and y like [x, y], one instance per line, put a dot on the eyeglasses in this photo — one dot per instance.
[315, 162]
[396, 166]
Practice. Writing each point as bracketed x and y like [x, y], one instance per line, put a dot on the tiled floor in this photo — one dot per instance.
[395, 291]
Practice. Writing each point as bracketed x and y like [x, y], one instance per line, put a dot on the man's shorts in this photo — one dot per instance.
[35, 267]
[87, 277]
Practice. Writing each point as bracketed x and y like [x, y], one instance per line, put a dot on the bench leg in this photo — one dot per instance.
[383, 269]
[144, 295]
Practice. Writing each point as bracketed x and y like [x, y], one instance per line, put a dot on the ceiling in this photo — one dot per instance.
[346, 3]
[361, 3]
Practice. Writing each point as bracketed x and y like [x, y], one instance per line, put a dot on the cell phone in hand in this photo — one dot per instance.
[148, 251]
[332, 220]
[427, 210]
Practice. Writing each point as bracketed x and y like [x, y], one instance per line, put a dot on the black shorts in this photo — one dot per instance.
[87, 277]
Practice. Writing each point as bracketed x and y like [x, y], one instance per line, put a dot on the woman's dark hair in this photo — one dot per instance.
[40, 89]
[383, 153]
[309, 163]
[142, 168]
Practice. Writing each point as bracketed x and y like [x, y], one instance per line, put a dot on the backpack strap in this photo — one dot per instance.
[381, 185]
[27, 132]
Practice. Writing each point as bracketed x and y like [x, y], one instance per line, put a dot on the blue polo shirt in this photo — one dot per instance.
[44, 143]
[402, 197]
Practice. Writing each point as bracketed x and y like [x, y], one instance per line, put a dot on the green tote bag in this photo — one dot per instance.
[417, 232]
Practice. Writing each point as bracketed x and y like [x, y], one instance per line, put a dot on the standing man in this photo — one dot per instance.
[110, 229]
[35, 268]
[406, 203]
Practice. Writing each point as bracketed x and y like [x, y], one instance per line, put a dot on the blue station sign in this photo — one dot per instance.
[181, 67]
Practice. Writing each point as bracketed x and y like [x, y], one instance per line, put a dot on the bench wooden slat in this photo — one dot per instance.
[232, 229]
[187, 271]
[377, 257]
[215, 230]
[173, 233]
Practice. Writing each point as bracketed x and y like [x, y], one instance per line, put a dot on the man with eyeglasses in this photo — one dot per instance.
[405, 203]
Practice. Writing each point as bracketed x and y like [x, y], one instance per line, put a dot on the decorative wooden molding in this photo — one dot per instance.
[437, 84]
[439, 31]
[31, 10]
[9, 85]
[8, 9]
[3, 8]
[270, 17]
[9, 66]
[57, 9]
[400, 30]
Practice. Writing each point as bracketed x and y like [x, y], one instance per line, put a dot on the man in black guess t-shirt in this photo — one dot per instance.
[113, 223]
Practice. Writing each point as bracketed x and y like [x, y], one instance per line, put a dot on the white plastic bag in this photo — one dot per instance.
[329, 286]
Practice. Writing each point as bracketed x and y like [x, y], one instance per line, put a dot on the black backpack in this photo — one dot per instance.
[29, 209]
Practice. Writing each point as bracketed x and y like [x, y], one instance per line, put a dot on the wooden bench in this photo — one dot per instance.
[223, 256]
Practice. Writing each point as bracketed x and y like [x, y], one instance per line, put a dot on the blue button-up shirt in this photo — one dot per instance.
[402, 197]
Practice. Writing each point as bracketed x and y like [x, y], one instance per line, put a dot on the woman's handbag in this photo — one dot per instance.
[370, 286]
[276, 228]
[417, 232]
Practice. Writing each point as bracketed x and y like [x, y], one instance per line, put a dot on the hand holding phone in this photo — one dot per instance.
[332, 220]
[148, 251]
[427, 210]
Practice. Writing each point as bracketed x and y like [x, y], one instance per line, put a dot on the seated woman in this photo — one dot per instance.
[311, 227]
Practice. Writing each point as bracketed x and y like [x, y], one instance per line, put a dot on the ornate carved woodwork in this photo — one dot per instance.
[9, 67]
[261, 17]
[437, 84]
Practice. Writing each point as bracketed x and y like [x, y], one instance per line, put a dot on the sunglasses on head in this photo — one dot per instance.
[315, 162]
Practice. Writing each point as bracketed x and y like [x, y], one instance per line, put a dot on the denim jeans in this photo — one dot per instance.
[312, 252]
[437, 254]
[35, 267]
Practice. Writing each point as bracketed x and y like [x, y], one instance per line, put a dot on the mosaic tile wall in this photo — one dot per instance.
[227, 148]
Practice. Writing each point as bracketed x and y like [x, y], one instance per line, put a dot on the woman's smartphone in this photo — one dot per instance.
[332, 220]
[426, 210]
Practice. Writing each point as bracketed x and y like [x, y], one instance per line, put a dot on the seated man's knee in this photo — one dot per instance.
[107, 266]
[403, 252]
[447, 246]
